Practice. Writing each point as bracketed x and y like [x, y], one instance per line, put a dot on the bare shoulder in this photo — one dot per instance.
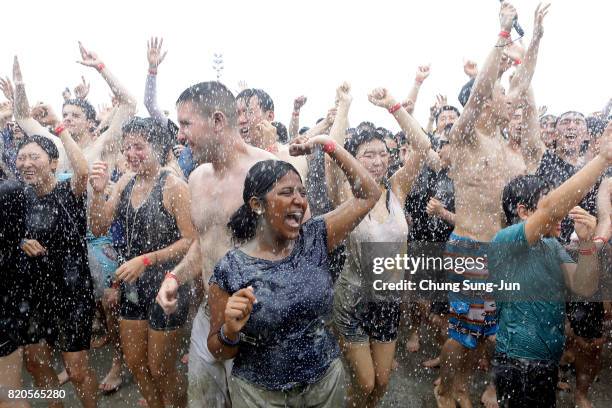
[200, 174]
[256, 155]
[174, 182]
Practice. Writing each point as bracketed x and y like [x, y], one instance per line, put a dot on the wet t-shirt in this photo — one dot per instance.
[532, 327]
[289, 344]
[58, 221]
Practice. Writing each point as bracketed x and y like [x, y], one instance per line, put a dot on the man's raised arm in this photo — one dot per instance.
[463, 130]
[522, 78]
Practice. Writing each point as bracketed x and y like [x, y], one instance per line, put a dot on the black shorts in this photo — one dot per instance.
[137, 302]
[439, 308]
[523, 383]
[65, 322]
[586, 319]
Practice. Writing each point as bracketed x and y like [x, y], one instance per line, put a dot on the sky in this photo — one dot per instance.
[292, 48]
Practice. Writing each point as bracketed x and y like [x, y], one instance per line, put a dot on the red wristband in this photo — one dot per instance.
[171, 275]
[146, 261]
[329, 146]
[505, 34]
[296, 113]
[419, 81]
[152, 71]
[517, 61]
[100, 67]
[395, 108]
[59, 129]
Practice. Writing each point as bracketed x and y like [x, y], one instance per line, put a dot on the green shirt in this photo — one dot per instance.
[531, 327]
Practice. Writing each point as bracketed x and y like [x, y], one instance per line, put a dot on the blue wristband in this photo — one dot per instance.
[227, 341]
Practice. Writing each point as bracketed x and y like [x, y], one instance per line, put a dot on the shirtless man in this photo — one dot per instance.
[207, 117]
[256, 110]
[479, 170]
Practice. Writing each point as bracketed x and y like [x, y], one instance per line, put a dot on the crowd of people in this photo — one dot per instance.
[254, 239]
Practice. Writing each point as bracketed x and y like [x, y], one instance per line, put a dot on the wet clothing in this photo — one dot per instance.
[361, 313]
[102, 262]
[585, 317]
[288, 344]
[423, 189]
[472, 314]
[444, 191]
[148, 228]
[62, 303]
[320, 203]
[328, 392]
[530, 329]
[13, 290]
[522, 383]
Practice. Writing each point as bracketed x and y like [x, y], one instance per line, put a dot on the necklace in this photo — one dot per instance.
[132, 227]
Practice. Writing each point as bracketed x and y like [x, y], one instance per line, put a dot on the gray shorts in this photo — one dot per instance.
[328, 392]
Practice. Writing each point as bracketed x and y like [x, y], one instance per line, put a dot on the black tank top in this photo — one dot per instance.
[149, 227]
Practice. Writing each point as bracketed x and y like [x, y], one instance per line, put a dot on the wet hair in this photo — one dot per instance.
[245, 94]
[400, 138]
[265, 101]
[90, 112]
[209, 97]
[526, 190]
[360, 137]
[260, 179]
[366, 126]
[569, 113]
[281, 132]
[155, 133]
[595, 126]
[303, 130]
[549, 116]
[447, 108]
[466, 91]
[44, 142]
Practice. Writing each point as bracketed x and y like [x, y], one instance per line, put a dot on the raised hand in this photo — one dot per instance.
[605, 147]
[422, 73]
[584, 224]
[238, 310]
[154, 52]
[7, 89]
[507, 14]
[343, 94]
[470, 68]
[242, 85]
[81, 90]
[331, 116]
[66, 94]
[88, 58]
[381, 97]
[99, 177]
[542, 110]
[302, 145]
[6, 111]
[299, 102]
[538, 27]
[265, 130]
[17, 77]
[44, 114]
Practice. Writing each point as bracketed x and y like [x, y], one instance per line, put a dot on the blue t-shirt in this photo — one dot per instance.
[291, 344]
[531, 329]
